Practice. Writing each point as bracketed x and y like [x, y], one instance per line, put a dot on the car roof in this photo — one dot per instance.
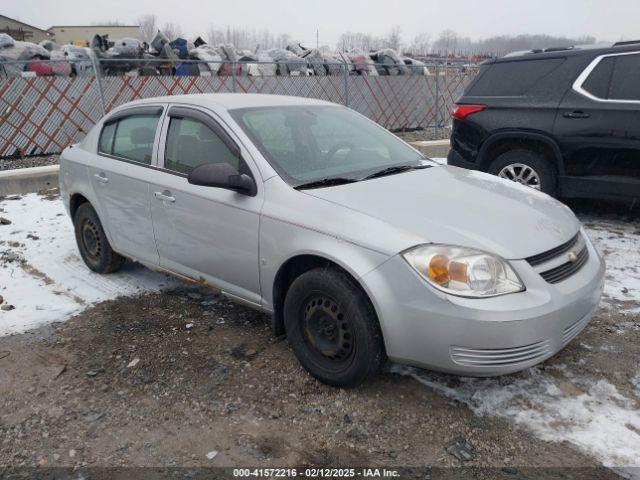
[591, 50]
[231, 101]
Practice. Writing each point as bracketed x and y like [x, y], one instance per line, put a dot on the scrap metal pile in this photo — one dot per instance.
[180, 57]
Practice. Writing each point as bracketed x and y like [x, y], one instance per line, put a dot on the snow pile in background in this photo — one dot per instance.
[592, 415]
[53, 283]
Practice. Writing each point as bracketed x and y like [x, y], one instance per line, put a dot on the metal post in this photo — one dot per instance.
[437, 101]
[96, 71]
[233, 77]
[346, 84]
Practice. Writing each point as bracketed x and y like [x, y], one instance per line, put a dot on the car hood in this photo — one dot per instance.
[456, 206]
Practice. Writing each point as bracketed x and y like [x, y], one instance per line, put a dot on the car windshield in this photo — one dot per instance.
[315, 143]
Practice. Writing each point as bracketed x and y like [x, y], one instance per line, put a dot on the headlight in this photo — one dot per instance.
[464, 272]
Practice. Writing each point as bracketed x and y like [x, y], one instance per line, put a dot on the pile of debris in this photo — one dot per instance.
[44, 59]
[130, 56]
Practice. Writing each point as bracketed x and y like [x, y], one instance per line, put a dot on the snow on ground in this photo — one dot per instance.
[619, 242]
[42, 274]
[594, 416]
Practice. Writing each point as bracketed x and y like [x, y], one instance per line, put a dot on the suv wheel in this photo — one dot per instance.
[333, 329]
[526, 167]
[92, 241]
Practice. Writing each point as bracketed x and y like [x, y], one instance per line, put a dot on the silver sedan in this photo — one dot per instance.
[359, 247]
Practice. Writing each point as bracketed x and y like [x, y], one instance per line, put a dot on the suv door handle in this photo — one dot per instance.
[164, 196]
[101, 178]
[576, 114]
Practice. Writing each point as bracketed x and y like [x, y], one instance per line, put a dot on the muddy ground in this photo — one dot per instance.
[164, 379]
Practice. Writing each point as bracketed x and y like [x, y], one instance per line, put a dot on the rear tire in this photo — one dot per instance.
[527, 167]
[333, 328]
[92, 241]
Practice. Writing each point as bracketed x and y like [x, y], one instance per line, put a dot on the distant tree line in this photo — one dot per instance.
[447, 43]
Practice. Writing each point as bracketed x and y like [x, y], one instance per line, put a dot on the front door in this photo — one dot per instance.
[118, 175]
[204, 233]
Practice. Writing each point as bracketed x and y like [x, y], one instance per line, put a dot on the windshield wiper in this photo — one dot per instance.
[326, 182]
[393, 170]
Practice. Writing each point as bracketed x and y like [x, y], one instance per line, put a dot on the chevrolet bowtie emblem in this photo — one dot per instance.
[573, 256]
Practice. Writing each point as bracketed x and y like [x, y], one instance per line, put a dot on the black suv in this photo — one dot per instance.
[564, 121]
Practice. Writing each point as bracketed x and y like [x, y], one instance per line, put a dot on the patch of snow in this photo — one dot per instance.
[636, 383]
[619, 243]
[594, 416]
[54, 283]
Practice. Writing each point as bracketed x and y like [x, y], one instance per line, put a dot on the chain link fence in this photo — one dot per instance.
[41, 114]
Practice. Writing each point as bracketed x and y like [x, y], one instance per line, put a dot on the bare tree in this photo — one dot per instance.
[394, 40]
[247, 39]
[446, 43]
[421, 44]
[148, 27]
[171, 30]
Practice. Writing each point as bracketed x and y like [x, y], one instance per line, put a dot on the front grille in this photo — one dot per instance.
[561, 272]
[553, 253]
[504, 357]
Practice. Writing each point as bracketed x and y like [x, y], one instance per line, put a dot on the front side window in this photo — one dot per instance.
[191, 143]
[130, 138]
[308, 143]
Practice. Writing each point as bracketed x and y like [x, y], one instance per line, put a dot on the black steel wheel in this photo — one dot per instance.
[333, 328]
[92, 241]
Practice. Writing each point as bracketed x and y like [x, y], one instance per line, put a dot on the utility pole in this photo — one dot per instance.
[317, 38]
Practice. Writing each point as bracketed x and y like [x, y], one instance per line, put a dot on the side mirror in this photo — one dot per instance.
[222, 175]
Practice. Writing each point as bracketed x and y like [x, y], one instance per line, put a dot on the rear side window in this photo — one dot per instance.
[106, 138]
[130, 138]
[191, 143]
[625, 81]
[597, 84]
[513, 78]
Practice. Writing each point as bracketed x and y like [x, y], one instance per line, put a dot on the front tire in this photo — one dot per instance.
[333, 328]
[92, 242]
[526, 167]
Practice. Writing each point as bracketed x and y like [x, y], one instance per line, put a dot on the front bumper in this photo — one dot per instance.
[482, 337]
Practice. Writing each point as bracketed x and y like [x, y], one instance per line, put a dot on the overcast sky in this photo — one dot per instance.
[604, 19]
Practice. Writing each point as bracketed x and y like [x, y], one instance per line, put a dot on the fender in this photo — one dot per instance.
[518, 135]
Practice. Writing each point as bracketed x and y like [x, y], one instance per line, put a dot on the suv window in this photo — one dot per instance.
[130, 137]
[513, 78]
[191, 143]
[597, 84]
[625, 81]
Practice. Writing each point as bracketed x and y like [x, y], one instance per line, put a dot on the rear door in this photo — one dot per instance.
[126, 152]
[598, 127]
[205, 233]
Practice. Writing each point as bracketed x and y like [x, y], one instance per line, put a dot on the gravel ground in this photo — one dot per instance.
[428, 134]
[28, 162]
[164, 379]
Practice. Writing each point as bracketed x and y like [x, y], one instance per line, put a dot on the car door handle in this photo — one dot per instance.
[164, 196]
[101, 178]
[576, 114]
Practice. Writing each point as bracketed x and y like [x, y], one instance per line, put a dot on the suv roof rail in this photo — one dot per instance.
[558, 49]
[626, 42]
[534, 51]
